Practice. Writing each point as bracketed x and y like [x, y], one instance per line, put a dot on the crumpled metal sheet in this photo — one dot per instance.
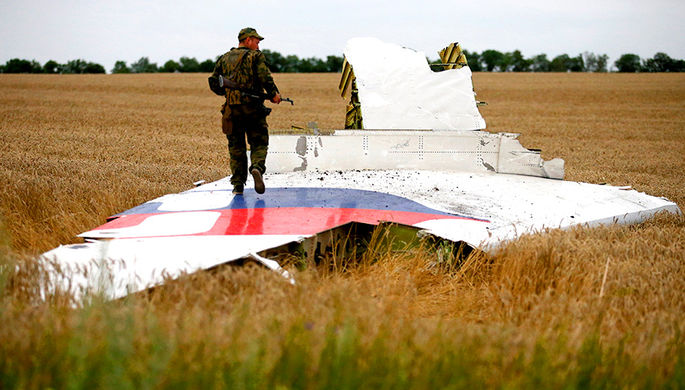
[398, 90]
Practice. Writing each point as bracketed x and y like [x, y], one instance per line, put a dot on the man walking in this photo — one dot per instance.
[243, 114]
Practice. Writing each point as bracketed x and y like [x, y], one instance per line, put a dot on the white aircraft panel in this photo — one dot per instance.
[455, 151]
[122, 266]
[398, 90]
[482, 209]
[175, 224]
[513, 204]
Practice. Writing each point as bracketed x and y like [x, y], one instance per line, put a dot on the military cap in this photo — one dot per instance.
[248, 32]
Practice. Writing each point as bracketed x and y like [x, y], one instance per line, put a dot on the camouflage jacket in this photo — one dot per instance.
[247, 68]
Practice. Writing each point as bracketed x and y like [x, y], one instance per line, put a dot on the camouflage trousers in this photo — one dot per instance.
[246, 121]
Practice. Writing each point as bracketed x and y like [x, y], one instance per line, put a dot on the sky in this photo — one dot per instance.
[107, 31]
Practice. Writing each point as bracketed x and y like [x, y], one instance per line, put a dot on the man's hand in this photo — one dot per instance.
[276, 99]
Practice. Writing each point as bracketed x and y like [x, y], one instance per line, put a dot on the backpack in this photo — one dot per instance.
[213, 80]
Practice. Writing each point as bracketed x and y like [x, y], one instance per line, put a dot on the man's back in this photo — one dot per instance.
[247, 68]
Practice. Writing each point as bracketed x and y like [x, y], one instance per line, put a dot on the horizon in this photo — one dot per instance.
[106, 32]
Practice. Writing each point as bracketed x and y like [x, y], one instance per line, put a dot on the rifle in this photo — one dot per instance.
[226, 83]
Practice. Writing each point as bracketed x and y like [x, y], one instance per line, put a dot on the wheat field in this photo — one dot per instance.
[583, 308]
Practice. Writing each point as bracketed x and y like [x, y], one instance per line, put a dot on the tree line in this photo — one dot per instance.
[276, 61]
[16, 65]
[496, 61]
[486, 61]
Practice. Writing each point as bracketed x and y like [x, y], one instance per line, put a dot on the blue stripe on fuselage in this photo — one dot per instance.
[305, 197]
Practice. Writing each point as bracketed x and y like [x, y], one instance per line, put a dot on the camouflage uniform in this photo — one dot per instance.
[243, 115]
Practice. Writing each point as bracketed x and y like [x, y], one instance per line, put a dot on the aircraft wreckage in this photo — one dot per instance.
[414, 156]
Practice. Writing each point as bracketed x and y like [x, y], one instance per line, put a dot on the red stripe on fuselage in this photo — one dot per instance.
[289, 220]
